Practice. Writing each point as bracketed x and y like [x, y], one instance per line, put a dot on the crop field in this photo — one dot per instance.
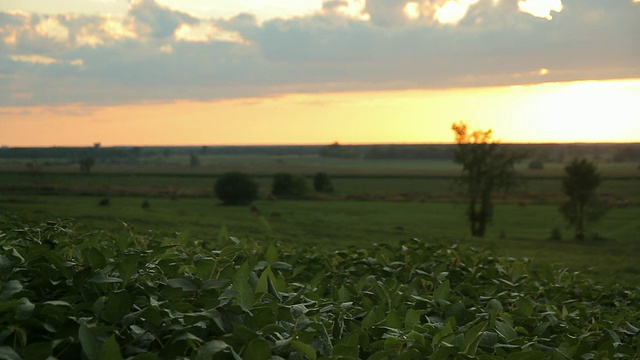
[141, 261]
[99, 296]
[375, 201]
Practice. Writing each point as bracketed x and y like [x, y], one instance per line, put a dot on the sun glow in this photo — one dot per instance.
[590, 111]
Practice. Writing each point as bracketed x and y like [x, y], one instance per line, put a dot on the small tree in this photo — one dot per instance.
[86, 163]
[487, 167]
[236, 188]
[322, 183]
[194, 161]
[579, 183]
[288, 185]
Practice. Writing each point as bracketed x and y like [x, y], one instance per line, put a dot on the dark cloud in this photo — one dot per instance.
[158, 21]
[386, 12]
[494, 44]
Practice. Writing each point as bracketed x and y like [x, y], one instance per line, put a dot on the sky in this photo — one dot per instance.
[219, 72]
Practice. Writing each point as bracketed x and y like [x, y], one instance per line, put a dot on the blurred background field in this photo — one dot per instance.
[375, 200]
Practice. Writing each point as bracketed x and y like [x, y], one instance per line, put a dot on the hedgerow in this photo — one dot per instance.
[65, 295]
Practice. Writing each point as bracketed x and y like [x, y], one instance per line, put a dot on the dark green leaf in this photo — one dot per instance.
[442, 291]
[8, 353]
[110, 349]
[89, 342]
[305, 349]
[258, 349]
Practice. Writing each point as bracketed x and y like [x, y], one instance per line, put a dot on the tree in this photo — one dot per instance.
[288, 185]
[579, 183]
[86, 163]
[194, 161]
[322, 183]
[487, 167]
[236, 188]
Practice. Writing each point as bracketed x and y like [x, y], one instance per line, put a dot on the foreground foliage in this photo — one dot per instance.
[68, 296]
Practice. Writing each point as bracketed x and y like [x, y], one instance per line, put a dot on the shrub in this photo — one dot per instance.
[288, 185]
[536, 165]
[322, 183]
[556, 234]
[236, 188]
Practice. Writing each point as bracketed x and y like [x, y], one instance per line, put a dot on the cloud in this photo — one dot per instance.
[540, 8]
[453, 11]
[157, 53]
[156, 20]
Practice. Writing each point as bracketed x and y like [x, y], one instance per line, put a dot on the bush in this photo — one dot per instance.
[536, 165]
[556, 234]
[322, 183]
[236, 188]
[288, 185]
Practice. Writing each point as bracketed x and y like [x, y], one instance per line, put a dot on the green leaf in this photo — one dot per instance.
[306, 349]
[146, 356]
[5, 263]
[9, 289]
[443, 353]
[185, 284]
[526, 355]
[343, 294]
[348, 346]
[37, 350]
[258, 349]
[393, 320]
[110, 350]
[506, 331]
[118, 305]
[89, 342]
[271, 255]
[24, 309]
[205, 268]
[8, 353]
[208, 350]
[472, 338]
[317, 279]
[244, 295]
[128, 266]
[524, 307]
[271, 289]
[262, 285]
[442, 292]
[95, 258]
[494, 305]
[101, 278]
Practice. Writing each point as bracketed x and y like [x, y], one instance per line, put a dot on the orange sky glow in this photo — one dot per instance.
[589, 111]
[253, 72]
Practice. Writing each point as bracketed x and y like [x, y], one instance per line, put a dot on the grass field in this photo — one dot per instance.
[375, 201]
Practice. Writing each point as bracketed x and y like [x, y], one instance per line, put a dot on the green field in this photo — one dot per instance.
[384, 267]
[376, 201]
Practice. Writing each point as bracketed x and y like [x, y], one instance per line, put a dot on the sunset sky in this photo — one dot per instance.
[220, 72]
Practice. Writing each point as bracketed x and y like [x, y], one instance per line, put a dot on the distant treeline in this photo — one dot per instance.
[134, 152]
[542, 152]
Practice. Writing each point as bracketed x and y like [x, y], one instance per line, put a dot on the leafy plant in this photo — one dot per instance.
[96, 296]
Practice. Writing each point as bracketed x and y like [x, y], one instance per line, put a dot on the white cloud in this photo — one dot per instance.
[34, 59]
[540, 8]
[453, 11]
[51, 27]
[412, 10]
[205, 32]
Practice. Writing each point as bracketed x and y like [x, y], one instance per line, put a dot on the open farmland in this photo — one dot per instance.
[376, 201]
